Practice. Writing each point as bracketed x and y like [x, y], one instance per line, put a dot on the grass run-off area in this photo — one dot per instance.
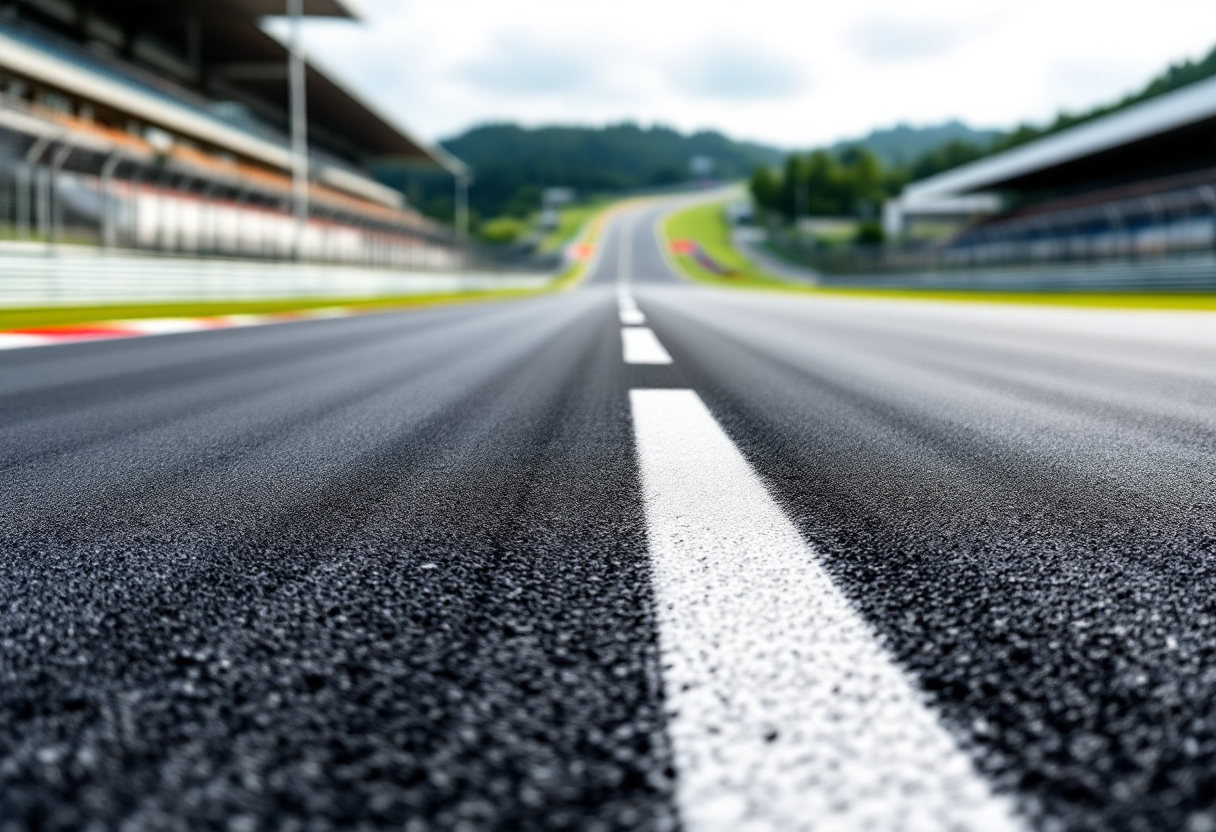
[570, 221]
[707, 224]
[49, 316]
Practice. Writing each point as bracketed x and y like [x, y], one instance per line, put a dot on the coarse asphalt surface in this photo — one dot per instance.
[391, 572]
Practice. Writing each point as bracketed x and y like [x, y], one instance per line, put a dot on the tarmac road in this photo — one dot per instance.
[806, 563]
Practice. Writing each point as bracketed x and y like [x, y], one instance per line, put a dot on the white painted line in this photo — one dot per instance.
[786, 715]
[625, 251]
[170, 326]
[14, 341]
[642, 347]
[630, 314]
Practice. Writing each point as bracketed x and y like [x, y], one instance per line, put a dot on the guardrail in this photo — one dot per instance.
[1193, 273]
[81, 276]
[1106, 231]
[1109, 248]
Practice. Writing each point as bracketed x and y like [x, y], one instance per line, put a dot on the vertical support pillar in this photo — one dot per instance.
[1209, 197]
[299, 128]
[206, 218]
[31, 181]
[23, 183]
[180, 236]
[462, 206]
[1114, 221]
[238, 239]
[162, 237]
[42, 203]
[109, 202]
[53, 202]
[135, 185]
[1154, 207]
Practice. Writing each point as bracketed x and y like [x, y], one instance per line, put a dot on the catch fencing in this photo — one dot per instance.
[1186, 273]
[1161, 232]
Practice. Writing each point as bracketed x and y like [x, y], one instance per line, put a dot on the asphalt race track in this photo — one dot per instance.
[763, 563]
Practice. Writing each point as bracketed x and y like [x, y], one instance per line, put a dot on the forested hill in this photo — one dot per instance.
[853, 177]
[513, 164]
[902, 144]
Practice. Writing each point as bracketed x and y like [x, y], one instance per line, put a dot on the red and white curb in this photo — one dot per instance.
[108, 330]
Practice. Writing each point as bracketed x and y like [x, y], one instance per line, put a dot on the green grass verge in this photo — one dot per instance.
[1185, 301]
[33, 317]
[707, 224]
[590, 227]
[570, 221]
[37, 317]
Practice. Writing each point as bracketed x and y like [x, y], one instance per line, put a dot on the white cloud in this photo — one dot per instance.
[729, 72]
[519, 66]
[885, 38]
[795, 74]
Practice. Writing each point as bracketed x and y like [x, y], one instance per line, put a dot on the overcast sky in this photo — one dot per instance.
[794, 73]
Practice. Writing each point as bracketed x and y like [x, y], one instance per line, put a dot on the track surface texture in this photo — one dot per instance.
[392, 572]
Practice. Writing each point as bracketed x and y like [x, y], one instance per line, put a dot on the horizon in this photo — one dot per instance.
[658, 125]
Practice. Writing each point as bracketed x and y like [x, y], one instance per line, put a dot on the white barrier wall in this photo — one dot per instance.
[33, 274]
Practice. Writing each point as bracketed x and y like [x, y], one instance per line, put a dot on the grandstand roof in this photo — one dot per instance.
[252, 8]
[1167, 134]
[238, 60]
[314, 8]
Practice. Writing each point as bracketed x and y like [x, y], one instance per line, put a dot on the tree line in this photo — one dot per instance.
[851, 183]
[822, 183]
[855, 182]
[513, 164]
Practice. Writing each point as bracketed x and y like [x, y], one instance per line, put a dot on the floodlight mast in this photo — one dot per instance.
[462, 205]
[299, 127]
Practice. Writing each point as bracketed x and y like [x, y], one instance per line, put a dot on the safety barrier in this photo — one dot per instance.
[71, 275]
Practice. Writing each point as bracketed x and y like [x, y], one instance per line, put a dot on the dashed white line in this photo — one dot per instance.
[640, 346]
[785, 712]
[625, 251]
[630, 314]
[628, 308]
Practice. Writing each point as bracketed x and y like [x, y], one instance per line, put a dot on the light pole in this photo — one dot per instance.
[27, 180]
[109, 202]
[462, 205]
[55, 202]
[299, 126]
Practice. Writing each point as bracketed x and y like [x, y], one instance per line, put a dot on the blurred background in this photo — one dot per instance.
[934, 144]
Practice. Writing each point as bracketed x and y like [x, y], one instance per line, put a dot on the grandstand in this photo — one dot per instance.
[166, 126]
[1138, 183]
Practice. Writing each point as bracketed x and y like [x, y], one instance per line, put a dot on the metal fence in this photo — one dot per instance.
[1182, 273]
[1178, 224]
